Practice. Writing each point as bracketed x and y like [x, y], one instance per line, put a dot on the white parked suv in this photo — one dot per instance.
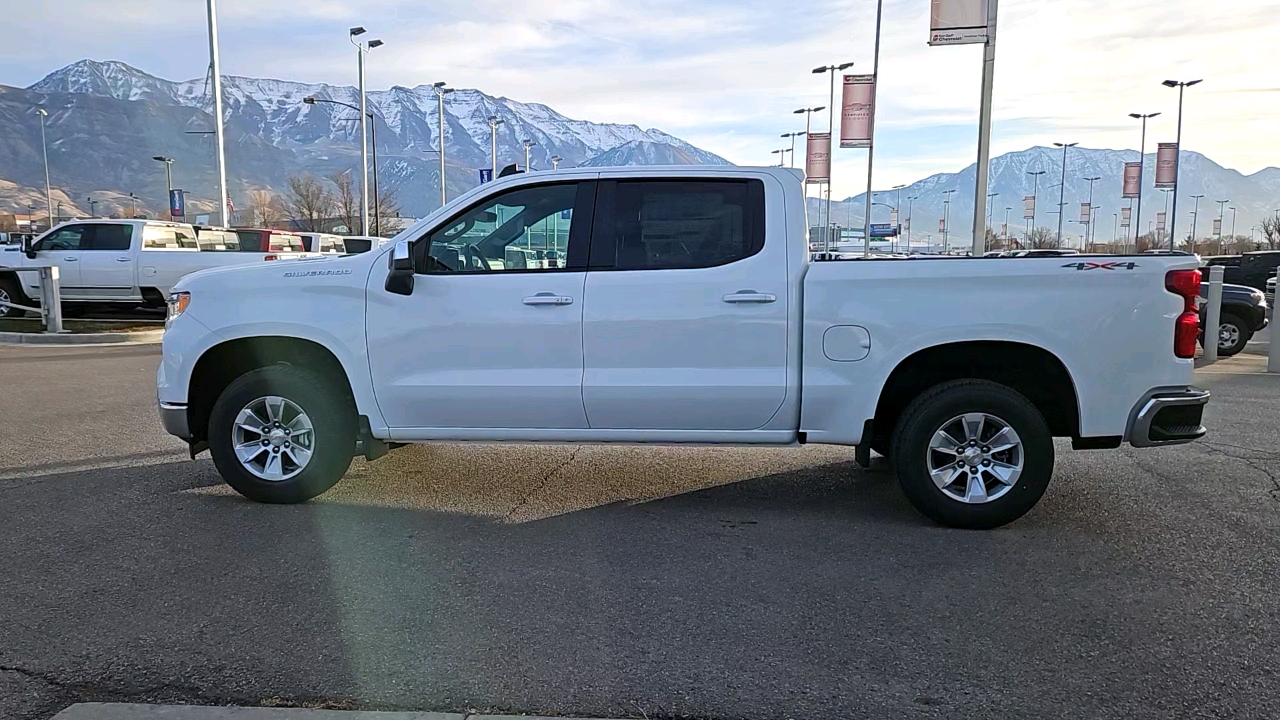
[687, 310]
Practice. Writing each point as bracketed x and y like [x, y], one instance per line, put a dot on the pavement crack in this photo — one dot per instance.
[1252, 462]
[541, 483]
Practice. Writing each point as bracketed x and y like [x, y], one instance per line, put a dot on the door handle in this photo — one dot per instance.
[750, 296]
[70, 259]
[123, 259]
[548, 299]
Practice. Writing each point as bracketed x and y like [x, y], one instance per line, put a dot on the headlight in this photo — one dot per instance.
[178, 303]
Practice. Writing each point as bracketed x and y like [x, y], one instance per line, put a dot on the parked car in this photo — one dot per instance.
[132, 262]
[216, 239]
[1244, 312]
[323, 243]
[1270, 294]
[269, 241]
[1253, 269]
[356, 244]
[687, 311]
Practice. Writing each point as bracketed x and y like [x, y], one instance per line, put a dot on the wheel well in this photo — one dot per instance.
[1034, 372]
[12, 277]
[221, 364]
[152, 297]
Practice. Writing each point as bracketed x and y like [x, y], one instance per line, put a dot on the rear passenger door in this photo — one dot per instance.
[685, 321]
[106, 263]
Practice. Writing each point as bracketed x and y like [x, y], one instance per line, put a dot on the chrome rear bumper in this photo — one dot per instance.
[1168, 417]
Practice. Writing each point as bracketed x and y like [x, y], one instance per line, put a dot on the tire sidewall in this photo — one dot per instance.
[954, 399]
[331, 417]
[8, 288]
[1243, 335]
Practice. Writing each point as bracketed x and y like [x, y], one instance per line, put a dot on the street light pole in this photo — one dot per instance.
[92, 202]
[1062, 188]
[494, 121]
[1035, 199]
[48, 190]
[984, 127]
[1233, 224]
[808, 117]
[1221, 216]
[528, 145]
[1091, 233]
[910, 206]
[1195, 217]
[1136, 221]
[555, 162]
[831, 133]
[440, 91]
[1177, 161]
[946, 221]
[168, 175]
[793, 136]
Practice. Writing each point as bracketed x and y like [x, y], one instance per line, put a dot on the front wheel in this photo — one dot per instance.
[282, 434]
[1233, 335]
[973, 454]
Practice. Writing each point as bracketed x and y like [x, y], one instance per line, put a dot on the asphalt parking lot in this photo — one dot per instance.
[627, 582]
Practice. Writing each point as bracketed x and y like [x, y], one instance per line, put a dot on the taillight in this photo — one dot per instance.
[269, 257]
[1186, 329]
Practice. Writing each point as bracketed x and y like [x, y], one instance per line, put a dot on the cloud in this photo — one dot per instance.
[726, 75]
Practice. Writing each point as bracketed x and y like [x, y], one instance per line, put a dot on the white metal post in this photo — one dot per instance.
[50, 299]
[984, 131]
[1273, 354]
[216, 71]
[1213, 314]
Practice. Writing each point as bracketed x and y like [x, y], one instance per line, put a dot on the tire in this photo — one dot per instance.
[10, 292]
[937, 410]
[1236, 332]
[328, 412]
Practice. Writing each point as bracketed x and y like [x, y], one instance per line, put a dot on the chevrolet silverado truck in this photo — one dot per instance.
[687, 309]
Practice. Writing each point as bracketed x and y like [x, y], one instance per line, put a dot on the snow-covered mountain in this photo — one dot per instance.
[1011, 180]
[324, 138]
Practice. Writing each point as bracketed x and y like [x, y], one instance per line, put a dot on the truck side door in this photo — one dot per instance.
[106, 261]
[62, 248]
[482, 343]
[685, 325]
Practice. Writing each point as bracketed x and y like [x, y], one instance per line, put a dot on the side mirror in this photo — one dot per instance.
[28, 243]
[400, 269]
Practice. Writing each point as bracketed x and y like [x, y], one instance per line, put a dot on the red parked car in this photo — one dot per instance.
[273, 241]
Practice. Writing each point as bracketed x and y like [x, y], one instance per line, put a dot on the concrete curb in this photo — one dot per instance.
[109, 338]
[134, 711]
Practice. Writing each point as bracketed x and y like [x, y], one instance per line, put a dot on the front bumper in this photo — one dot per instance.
[1169, 416]
[174, 418]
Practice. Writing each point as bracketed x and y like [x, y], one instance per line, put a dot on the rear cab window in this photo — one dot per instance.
[677, 224]
[218, 240]
[285, 242]
[160, 237]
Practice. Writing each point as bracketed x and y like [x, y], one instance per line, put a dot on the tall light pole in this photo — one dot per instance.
[1195, 216]
[440, 91]
[555, 161]
[990, 209]
[92, 202]
[133, 206]
[946, 221]
[1090, 234]
[1035, 198]
[361, 50]
[373, 139]
[793, 136]
[1061, 188]
[215, 69]
[831, 130]
[528, 145]
[494, 121]
[168, 176]
[910, 206]
[48, 189]
[808, 118]
[1221, 216]
[1142, 163]
[782, 156]
[984, 125]
[1177, 161]
[1233, 224]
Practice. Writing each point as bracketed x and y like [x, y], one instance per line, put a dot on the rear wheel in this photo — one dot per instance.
[10, 293]
[972, 454]
[282, 434]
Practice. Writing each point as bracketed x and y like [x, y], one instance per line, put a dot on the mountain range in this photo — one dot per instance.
[108, 119]
[1011, 179]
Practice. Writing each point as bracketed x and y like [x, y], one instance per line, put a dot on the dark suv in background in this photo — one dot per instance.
[1251, 268]
[1244, 312]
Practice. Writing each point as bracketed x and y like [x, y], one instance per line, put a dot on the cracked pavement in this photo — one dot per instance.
[626, 581]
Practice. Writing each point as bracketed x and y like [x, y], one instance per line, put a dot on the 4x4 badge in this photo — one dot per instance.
[1113, 265]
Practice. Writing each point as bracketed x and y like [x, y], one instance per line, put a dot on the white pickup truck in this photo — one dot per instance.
[133, 262]
[687, 310]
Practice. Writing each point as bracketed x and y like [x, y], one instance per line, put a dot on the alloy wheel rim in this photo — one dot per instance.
[1228, 335]
[975, 458]
[273, 438]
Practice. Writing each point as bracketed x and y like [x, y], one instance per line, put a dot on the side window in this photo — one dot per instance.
[68, 238]
[110, 237]
[168, 238]
[524, 229]
[676, 224]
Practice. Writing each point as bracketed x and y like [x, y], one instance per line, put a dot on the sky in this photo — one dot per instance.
[727, 74]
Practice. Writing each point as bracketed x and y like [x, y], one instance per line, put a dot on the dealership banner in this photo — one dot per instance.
[942, 225]
[1160, 221]
[1217, 226]
[1132, 179]
[957, 22]
[177, 203]
[1167, 165]
[817, 161]
[1028, 207]
[1084, 212]
[856, 111]
[1125, 213]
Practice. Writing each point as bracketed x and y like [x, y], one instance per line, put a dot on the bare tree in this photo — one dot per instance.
[309, 202]
[1145, 242]
[264, 209]
[345, 200]
[388, 209]
[1271, 232]
[1041, 238]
